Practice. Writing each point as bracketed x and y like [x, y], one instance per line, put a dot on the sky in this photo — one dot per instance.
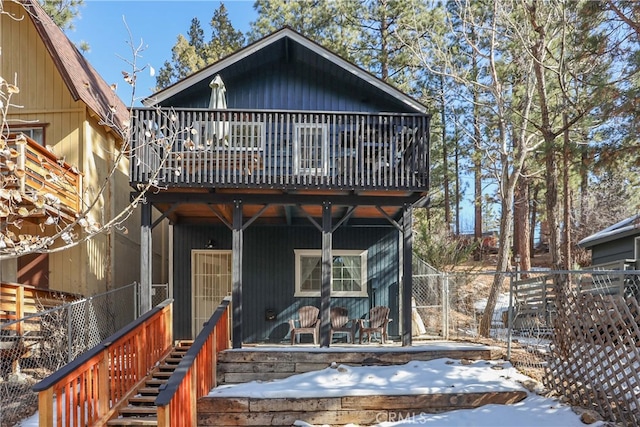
[154, 24]
[435, 376]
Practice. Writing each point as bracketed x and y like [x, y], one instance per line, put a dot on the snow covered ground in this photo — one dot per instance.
[436, 376]
[417, 377]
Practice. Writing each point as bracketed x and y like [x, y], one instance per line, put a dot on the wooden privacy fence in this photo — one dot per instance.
[594, 358]
[21, 329]
[89, 390]
[533, 303]
[195, 375]
[17, 301]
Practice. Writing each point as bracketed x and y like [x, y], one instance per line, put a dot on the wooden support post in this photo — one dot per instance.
[141, 355]
[193, 392]
[164, 416]
[236, 273]
[327, 276]
[45, 407]
[104, 398]
[407, 274]
[146, 259]
[19, 309]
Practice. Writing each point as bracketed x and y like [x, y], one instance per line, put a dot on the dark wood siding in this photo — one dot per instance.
[615, 250]
[268, 276]
[291, 86]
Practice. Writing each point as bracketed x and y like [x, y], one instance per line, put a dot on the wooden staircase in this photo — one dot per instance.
[140, 410]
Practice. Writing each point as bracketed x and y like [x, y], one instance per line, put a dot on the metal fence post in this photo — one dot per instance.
[445, 306]
[69, 332]
[510, 307]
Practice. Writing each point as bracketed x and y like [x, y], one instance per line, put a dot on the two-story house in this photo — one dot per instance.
[75, 127]
[289, 176]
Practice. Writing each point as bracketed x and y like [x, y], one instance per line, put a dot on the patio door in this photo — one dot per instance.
[210, 283]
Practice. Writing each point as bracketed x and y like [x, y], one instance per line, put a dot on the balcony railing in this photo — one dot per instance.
[279, 149]
[42, 178]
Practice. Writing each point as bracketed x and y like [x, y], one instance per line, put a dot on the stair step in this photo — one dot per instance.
[142, 399]
[133, 421]
[162, 374]
[149, 391]
[138, 410]
[166, 367]
[172, 360]
[155, 382]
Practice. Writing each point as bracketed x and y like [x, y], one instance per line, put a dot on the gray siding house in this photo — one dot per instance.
[298, 190]
[620, 241]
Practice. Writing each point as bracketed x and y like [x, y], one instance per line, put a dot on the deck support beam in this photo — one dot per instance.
[146, 258]
[407, 274]
[327, 273]
[236, 273]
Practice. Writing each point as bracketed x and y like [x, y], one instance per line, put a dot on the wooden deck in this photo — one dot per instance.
[266, 363]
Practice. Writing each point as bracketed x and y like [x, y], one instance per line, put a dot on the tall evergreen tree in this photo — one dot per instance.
[63, 12]
[325, 22]
[192, 54]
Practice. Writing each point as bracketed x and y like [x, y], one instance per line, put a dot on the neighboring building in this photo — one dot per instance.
[75, 127]
[621, 241]
[310, 170]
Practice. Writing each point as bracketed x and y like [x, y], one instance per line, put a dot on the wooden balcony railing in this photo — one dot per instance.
[88, 391]
[40, 176]
[195, 376]
[279, 149]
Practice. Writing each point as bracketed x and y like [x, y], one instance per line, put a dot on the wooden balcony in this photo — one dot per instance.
[42, 180]
[279, 149]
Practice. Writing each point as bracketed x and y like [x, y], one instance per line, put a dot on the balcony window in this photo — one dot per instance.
[349, 270]
[36, 133]
[310, 150]
[247, 136]
[244, 136]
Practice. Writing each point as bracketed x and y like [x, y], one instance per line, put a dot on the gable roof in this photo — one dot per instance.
[82, 80]
[289, 34]
[626, 227]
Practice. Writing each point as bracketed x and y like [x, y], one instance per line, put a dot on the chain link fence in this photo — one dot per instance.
[575, 331]
[37, 345]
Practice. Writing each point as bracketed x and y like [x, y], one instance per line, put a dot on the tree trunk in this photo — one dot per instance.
[457, 179]
[534, 220]
[521, 225]
[445, 159]
[504, 249]
[566, 165]
[551, 204]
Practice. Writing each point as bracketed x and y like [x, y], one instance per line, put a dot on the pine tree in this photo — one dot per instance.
[193, 54]
[63, 12]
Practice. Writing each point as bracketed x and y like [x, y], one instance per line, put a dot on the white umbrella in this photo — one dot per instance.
[218, 101]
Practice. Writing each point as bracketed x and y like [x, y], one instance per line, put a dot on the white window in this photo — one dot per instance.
[349, 271]
[247, 136]
[310, 153]
[35, 133]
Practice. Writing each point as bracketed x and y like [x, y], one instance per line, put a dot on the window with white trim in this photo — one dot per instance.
[35, 133]
[244, 136]
[349, 271]
[310, 150]
[247, 136]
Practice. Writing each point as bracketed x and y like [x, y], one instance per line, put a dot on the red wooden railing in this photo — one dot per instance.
[89, 390]
[195, 376]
